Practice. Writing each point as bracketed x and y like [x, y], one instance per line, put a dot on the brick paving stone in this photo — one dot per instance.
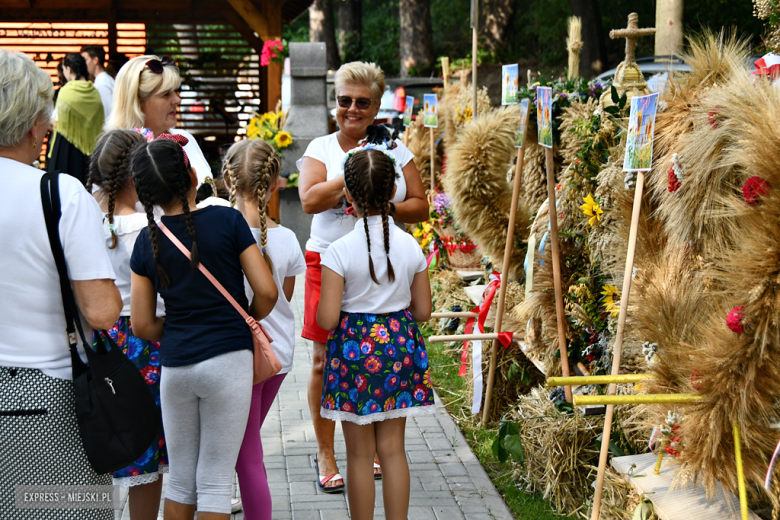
[447, 482]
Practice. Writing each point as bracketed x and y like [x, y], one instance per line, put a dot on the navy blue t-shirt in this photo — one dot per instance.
[199, 322]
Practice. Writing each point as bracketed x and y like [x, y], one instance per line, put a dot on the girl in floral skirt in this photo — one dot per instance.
[110, 172]
[377, 368]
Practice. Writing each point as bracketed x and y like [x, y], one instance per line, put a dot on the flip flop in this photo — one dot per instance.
[377, 476]
[324, 479]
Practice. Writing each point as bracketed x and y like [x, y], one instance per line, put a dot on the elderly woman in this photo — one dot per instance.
[359, 88]
[78, 121]
[145, 97]
[37, 401]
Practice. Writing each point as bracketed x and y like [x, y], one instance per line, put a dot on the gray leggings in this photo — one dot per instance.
[205, 408]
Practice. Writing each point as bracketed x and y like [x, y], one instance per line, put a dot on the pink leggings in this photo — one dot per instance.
[255, 493]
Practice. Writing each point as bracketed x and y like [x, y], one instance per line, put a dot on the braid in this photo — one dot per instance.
[230, 175]
[385, 205]
[154, 236]
[111, 189]
[185, 208]
[356, 185]
[261, 190]
[364, 211]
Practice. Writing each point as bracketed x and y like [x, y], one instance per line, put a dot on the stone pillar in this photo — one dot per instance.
[307, 120]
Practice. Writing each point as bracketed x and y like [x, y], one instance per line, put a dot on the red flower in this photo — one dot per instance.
[151, 374]
[734, 320]
[271, 50]
[754, 188]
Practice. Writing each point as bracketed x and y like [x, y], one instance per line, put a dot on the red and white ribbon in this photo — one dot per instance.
[505, 338]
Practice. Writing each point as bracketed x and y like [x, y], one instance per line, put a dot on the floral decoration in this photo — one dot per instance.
[274, 51]
[592, 209]
[611, 299]
[754, 188]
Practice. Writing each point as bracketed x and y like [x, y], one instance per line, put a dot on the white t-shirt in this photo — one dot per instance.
[333, 223]
[32, 319]
[348, 257]
[287, 260]
[104, 84]
[195, 155]
[126, 228]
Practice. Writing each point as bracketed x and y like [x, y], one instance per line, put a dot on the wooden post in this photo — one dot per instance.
[640, 181]
[574, 46]
[112, 40]
[556, 267]
[510, 235]
[433, 164]
[474, 42]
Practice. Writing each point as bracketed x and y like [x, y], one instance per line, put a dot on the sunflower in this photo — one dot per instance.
[283, 139]
[611, 299]
[266, 134]
[270, 118]
[592, 209]
[253, 128]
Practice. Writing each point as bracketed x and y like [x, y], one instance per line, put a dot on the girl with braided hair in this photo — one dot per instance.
[205, 346]
[377, 368]
[110, 172]
[251, 169]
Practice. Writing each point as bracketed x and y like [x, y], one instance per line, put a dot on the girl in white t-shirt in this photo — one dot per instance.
[377, 368]
[110, 172]
[251, 169]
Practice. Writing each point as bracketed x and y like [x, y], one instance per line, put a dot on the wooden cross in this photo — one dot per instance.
[631, 33]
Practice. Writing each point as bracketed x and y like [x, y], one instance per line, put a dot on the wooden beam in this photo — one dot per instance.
[272, 12]
[242, 27]
[112, 35]
[253, 17]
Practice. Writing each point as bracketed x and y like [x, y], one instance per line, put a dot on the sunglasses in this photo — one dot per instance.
[360, 103]
[157, 66]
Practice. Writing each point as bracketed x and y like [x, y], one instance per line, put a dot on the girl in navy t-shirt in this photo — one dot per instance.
[205, 345]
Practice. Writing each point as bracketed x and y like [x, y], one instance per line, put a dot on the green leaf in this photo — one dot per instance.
[623, 100]
[617, 452]
[525, 377]
[612, 110]
[564, 407]
[615, 97]
[512, 372]
[496, 447]
[514, 446]
[644, 511]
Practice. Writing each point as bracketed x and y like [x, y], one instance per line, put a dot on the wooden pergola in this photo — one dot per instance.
[256, 20]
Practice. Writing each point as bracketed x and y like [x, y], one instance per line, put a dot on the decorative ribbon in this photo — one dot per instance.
[528, 265]
[768, 65]
[433, 258]
[505, 338]
[181, 141]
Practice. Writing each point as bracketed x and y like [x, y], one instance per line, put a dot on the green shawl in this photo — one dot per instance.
[79, 115]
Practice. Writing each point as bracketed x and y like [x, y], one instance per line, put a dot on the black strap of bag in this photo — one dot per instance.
[116, 413]
[52, 212]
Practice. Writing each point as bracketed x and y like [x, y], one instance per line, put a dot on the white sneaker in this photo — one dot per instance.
[236, 505]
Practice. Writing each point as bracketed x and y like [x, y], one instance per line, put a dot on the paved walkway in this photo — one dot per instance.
[447, 480]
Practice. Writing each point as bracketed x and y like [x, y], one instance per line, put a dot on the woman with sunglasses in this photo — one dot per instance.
[146, 97]
[359, 88]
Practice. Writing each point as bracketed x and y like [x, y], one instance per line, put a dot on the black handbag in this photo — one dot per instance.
[116, 412]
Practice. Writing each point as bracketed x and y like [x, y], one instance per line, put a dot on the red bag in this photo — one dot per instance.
[266, 362]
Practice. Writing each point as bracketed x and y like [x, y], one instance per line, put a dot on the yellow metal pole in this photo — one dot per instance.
[657, 469]
[597, 380]
[581, 400]
[740, 473]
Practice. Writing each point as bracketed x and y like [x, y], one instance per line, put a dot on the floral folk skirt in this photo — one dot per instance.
[377, 369]
[146, 356]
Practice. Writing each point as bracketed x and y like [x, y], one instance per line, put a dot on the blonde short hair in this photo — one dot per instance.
[364, 74]
[135, 83]
[25, 96]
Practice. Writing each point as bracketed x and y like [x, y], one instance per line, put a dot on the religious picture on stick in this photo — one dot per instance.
[544, 116]
[408, 110]
[641, 126]
[522, 124]
[509, 84]
[431, 112]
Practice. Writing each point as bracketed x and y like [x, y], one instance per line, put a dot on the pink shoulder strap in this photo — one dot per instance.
[203, 270]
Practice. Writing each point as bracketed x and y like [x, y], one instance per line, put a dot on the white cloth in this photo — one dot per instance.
[333, 223]
[195, 155]
[213, 201]
[32, 319]
[348, 257]
[126, 228]
[104, 84]
[287, 260]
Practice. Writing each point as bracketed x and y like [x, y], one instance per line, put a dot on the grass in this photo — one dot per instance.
[444, 372]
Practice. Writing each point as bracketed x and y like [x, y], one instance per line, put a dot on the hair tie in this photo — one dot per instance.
[111, 227]
[180, 140]
[264, 250]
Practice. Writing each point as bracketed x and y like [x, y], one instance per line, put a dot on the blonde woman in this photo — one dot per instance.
[146, 96]
[359, 88]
